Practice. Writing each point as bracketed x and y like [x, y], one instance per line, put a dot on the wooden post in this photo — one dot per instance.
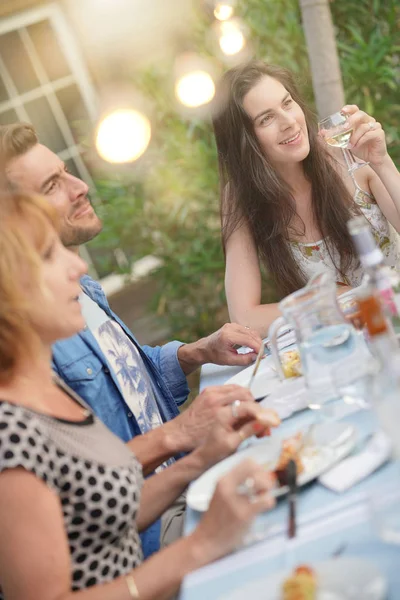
[324, 60]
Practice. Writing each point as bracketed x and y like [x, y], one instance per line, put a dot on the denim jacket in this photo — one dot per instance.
[80, 362]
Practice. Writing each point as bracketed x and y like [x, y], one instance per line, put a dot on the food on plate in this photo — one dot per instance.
[349, 306]
[291, 448]
[302, 585]
[291, 364]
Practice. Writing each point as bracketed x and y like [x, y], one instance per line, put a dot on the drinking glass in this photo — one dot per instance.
[337, 133]
[353, 381]
[324, 336]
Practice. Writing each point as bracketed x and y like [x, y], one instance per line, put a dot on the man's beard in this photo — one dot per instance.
[76, 236]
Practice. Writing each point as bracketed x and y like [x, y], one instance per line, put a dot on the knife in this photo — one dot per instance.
[291, 472]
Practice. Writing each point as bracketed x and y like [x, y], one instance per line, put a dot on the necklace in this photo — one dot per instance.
[63, 387]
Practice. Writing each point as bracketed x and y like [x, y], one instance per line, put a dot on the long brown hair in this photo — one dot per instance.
[254, 192]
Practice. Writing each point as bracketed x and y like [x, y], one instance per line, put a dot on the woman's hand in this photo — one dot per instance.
[238, 498]
[368, 138]
[234, 424]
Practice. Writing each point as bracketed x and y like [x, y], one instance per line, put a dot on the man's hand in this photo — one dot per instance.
[220, 348]
[230, 430]
[191, 428]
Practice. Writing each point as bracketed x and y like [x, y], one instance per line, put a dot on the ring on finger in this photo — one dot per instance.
[371, 125]
[235, 409]
[242, 435]
[247, 488]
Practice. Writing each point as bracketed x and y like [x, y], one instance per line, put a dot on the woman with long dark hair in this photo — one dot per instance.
[286, 196]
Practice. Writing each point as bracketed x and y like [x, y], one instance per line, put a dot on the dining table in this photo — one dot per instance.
[330, 525]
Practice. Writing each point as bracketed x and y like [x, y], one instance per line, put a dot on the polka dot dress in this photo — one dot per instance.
[98, 482]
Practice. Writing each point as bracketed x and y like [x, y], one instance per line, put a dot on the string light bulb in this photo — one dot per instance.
[123, 136]
[223, 11]
[231, 39]
[195, 89]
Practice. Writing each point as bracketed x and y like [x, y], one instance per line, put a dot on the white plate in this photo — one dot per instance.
[333, 441]
[336, 577]
[285, 397]
[265, 381]
[201, 491]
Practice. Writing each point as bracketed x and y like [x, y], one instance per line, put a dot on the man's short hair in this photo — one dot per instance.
[15, 140]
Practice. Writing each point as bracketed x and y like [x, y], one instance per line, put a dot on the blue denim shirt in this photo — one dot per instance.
[80, 362]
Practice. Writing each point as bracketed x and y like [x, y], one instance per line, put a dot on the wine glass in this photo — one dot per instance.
[337, 133]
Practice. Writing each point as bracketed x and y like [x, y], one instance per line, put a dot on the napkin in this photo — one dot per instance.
[354, 469]
[289, 396]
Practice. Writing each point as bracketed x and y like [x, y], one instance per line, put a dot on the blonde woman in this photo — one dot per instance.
[72, 497]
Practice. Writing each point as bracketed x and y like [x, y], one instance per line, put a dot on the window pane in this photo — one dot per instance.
[8, 117]
[17, 62]
[75, 111]
[43, 120]
[3, 92]
[48, 49]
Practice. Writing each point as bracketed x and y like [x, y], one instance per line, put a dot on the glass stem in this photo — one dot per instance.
[349, 158]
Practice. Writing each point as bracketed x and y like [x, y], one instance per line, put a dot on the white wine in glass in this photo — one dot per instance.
[339, 140]
[337, 133]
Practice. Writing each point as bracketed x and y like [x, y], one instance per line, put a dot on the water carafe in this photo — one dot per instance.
[324, 337]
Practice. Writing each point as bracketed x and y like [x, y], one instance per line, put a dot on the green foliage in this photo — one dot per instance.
[275, 32]
[121, 200]
[169, 204]
[368, 37]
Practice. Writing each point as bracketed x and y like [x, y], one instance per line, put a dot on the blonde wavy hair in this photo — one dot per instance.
[24, 223]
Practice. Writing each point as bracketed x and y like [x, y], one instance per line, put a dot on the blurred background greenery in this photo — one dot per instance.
[169, 207]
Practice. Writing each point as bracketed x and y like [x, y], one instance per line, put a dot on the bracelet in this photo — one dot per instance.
[132, 587]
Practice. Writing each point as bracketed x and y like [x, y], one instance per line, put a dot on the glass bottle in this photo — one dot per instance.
[377, 274]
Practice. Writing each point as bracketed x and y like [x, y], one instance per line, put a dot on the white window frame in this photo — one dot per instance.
[79, 75]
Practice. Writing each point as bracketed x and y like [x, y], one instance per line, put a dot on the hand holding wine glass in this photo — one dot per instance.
[367, 140]
[337, 131]
[355, 129]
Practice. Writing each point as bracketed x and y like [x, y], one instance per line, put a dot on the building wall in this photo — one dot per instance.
[119, 36]
[114, 39]
[10, 7]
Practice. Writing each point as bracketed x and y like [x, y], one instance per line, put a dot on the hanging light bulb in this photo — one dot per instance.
[231, 39]
[123, 135]
[223, 11]
[195, 88]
